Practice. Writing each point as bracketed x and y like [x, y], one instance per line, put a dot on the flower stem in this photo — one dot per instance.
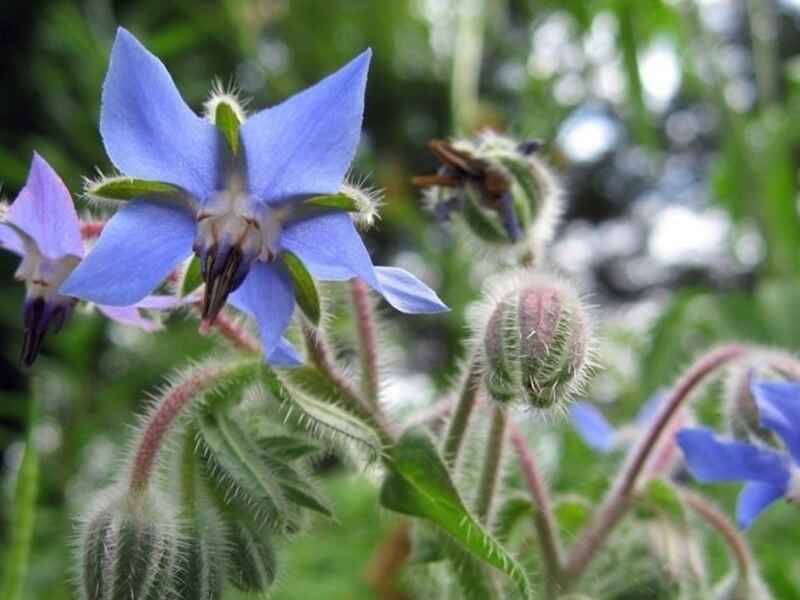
[236, 334]
[365, 323]
[320, 355]
[543, 519]
[461, 414]
[17, 555]
[490, 475]
[172, 404]
[716, 519]
[618, 499]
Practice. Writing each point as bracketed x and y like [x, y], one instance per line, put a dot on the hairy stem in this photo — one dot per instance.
[544, 520]
[368, 347]
[490, 475]
[238, 337]
[17, 556]
[719, 521]
[457, 426]
[171, 405]
[619, 497]
[320, 355]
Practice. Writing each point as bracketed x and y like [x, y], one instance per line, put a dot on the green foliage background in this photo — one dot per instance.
[95, 377]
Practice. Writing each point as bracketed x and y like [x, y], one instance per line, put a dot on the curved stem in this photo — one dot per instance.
[320, 355]
[544, 520]
[236, 334]
[490, 474]
[461, 414]
[618, 499]
[719, 521]
[172, 404]
[368, 347]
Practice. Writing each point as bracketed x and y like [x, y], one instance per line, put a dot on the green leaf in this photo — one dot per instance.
[126, 188]
[418, 484]
[310, 407]
[192, 277]
[227, 122]
[305, 291]
[334, 201]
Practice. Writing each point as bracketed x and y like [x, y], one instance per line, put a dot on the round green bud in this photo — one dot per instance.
[536, 344]
[129, 548]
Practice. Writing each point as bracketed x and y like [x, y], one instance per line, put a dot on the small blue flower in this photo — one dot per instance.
[43, 229]
[599, 434]
[769, 474]
[236, 219]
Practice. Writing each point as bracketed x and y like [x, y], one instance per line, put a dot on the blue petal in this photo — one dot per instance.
[285, 355]
[407, 293]
[753, 499]
[305, 145]
[592, 426]
[650, 408]
[330, 248]
[11, 241]
[267, 294]
[44, 210]
[710, 460]
[141, 244]
[779, 410]
[147, 129]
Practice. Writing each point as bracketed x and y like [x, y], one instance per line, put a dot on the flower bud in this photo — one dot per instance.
[501, 190]
[741, 410]
[537, 344]
[129, 548]
[202, 562]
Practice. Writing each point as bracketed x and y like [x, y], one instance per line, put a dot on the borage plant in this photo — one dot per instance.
[234, 212]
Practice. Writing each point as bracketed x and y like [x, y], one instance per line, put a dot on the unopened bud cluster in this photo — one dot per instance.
[536, 343]
[501, 190]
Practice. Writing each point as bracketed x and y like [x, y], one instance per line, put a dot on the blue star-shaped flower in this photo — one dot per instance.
[43, 229]
[769, 475]
[238, 218]
[599, 434]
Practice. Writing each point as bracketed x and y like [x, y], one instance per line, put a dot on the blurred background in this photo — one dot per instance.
[671, 122]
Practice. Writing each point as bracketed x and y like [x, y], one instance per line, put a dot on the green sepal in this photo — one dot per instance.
[228, 123]
[333, 201]
[305, 290]
[418, 484]
[124, 188]
[192, 278]
[253, 565]
[483, 222]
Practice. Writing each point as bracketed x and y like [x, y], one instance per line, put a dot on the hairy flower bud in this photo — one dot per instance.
[502, 191]
[741, 410]
[536, 343]
[129, 547]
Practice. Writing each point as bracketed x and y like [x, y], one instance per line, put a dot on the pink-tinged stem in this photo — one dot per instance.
[543, 518]
[618, 499]
[368, 350]
[91, 229]
[457, 427]
[236, 334]
[168, 409]
[719, 521]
